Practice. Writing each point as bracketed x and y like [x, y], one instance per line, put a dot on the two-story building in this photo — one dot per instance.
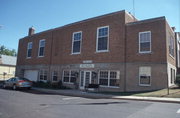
[116, 51]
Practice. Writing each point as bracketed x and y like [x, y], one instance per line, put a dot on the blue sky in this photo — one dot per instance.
[16, 16]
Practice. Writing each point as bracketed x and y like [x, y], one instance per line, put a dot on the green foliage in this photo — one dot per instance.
[5, 51]
[48, 84]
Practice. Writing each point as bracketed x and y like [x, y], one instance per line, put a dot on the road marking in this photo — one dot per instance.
[178, 111]
[70, 98]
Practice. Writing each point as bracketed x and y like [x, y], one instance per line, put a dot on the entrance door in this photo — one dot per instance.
[85, 79]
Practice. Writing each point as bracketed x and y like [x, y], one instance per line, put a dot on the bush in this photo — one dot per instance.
[177, 81]
[48, 84]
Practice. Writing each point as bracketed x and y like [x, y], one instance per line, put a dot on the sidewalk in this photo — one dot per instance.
[78, 93]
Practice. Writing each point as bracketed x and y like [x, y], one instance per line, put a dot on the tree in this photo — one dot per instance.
[6, 51]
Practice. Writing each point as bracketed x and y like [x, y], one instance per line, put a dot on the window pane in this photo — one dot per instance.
[102, 43]
[41, 51]
[103, 32]
[41, 77]
[54, 78]
[73, 79]
[103, 82]
[42, 43]
[77, 36]
[76, 46]
[29, 52]
[145, 79]
[144, 40]
[66, 79]
[145, 46]
[66, 73]
[145, 75]
[114, 82]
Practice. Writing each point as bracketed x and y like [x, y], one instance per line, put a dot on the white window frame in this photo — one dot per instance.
[150, 76]
[140, 42]
[40, 47]
[75, 41]
[97, 39]
[171, 46]
[53, 76]
[29, 49]
[109, 78]
[43, 71]
[69, 77]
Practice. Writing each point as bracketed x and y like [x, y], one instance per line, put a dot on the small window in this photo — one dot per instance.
[109, 78]
[70, 76]
[171, 46]
[172, 76]
[145, 76]
[43, 75]
[41, 48]
[102, 39]
[76, 43]
[55, 76]
[145, 42]
[29, 50]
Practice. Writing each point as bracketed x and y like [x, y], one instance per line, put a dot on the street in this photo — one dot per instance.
[33, 104]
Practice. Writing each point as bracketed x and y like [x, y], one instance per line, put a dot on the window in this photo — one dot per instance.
[70, 76]
[171, 46]
[43, 75]
[145, 76]
[109, 78]
[145, 42]
[41, 48]
[172, 76]
[55, 76]
[102, 39]
[76, 43]
[29, 50]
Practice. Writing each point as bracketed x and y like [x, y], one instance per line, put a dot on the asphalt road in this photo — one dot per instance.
[33, 104]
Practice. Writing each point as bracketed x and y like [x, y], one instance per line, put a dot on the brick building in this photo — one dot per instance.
[114, 50]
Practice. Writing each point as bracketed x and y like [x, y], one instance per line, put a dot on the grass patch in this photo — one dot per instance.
[173, 93]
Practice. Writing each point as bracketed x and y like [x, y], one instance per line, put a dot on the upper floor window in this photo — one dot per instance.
[102, 39]
[145, 42]
[29, 50]
[171, 46]
[76, 42]
[144, 76]
[41, 48]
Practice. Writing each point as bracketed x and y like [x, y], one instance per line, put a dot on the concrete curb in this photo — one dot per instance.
[77, 93]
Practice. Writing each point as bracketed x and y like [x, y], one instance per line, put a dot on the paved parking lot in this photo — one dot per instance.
[34, 104]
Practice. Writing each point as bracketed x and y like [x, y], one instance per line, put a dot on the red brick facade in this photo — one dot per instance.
[122, 55]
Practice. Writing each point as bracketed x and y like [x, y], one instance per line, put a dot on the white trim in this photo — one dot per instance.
[150, 77]
[97, 37]
[53, 76]
[69, 76]
[72, 53]
[108, 86]
[39, 47]
[84, 78]
[43, 75]
[28, 49]
[143, 52]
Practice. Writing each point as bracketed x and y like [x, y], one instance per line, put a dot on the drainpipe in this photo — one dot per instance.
[125, 58]
[50, 63]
